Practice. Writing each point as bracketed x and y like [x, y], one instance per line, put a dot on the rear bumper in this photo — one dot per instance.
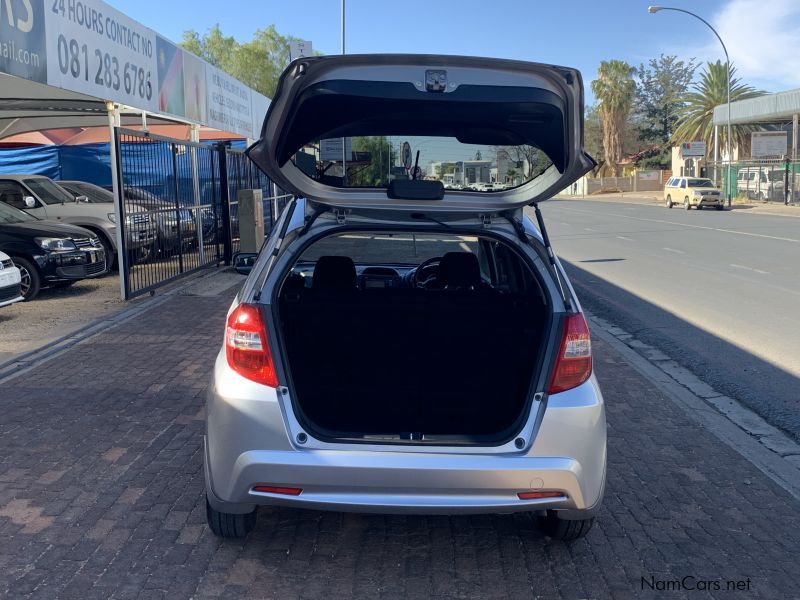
[403, 483]
[247, 444]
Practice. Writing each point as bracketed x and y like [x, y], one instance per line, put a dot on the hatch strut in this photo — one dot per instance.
[275, 249]
[552, 257]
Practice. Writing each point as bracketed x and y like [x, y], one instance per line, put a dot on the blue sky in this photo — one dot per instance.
[763, 36]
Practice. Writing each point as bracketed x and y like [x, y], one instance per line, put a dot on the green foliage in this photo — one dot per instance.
[376, 172]
[614, 89]
[445, 169]
[661, 87]
[697, 115]
[257, 63]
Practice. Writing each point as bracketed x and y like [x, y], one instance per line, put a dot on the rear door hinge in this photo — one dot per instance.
[341, 216]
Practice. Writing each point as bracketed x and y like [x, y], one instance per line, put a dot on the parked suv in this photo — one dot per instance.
[48, 253]
[41, 197]
[140, 225]
[692, 191]
[404, 348]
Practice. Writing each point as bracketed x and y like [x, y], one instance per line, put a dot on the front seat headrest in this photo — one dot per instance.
[459, 270]
[334, 273]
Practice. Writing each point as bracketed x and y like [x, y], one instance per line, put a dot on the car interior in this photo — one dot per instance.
[440, 350]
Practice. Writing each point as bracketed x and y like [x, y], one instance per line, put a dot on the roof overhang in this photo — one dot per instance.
[29, 106]
[764, 109]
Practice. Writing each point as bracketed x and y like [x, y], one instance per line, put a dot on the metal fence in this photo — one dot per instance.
[775, 179]
[178, 207]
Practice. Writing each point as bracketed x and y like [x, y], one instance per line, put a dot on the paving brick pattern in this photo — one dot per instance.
[101, 495]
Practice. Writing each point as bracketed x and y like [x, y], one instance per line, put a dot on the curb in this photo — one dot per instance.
[765, 446]
[24, 362]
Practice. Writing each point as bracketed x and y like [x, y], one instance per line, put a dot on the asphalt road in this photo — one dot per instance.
[718, 292]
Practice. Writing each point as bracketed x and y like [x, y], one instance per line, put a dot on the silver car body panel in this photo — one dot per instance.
[253, 433]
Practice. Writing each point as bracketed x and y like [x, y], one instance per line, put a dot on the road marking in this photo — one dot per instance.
[588, 229]
[673, 250]
[760, 235]
[622, 237]
[748, 269]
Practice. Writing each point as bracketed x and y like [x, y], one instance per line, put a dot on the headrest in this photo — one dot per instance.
[334, 273]
[459, 270]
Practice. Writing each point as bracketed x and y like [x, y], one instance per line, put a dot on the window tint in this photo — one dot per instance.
[12, 194]
[683, 183]
[48, 192]
[13, 215]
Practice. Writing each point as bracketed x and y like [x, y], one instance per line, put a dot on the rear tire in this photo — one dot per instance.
[561, 529]
[669, 201]
[31, 282]
[227, 525]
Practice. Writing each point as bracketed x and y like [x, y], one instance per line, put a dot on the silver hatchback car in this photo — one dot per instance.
[399, 347]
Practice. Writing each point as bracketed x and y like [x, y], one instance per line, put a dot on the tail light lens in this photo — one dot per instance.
[246, 345]
[574, 362]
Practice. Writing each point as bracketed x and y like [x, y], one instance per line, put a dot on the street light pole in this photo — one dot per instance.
[655, 9]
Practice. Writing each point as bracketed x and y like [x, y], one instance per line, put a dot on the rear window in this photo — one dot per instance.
[700, 183]
[374, 161]
[397, 248]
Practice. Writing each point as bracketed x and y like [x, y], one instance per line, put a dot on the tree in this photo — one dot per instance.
[445, 168]
[530, 160]
[614, 89]
[661, 87]
[381, 156]
[696, 121]
[257, 63]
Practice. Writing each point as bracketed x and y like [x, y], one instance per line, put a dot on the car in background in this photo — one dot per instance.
[140, 225]
[169, 220]
[41, 197]
[692, 191]
[48, 253]
[9, 281]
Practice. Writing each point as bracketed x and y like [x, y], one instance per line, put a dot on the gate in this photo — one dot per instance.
[178, 207]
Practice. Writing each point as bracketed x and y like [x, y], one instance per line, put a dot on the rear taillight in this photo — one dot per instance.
[246, 345]
[574, 362]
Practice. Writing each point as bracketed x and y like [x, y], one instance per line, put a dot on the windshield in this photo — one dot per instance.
[9, 214]
[699, 183]
[48, 192]
[373, 161]
[95, 195]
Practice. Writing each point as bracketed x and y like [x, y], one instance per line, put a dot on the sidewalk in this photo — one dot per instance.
[657, 198]
[101, 495]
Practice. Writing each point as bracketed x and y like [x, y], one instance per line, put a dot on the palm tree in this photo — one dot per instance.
[614, 89]
[696, 121]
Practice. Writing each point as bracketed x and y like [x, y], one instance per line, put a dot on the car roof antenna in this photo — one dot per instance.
[552, 257]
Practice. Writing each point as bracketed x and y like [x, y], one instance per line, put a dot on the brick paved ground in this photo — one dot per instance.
[101, 495]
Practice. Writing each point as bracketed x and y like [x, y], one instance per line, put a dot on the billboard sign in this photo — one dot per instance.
[96, 50]
[91, 48]
[22, 39]
[768, 143]
[693, 149]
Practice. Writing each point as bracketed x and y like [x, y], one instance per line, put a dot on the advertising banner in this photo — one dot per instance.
[96, 50]
[22, 39]
[228, 103]
[89, 47]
